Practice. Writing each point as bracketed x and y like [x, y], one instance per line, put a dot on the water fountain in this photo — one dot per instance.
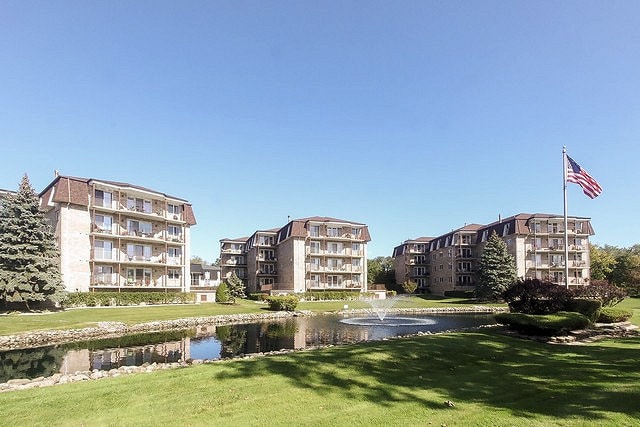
[381, 307]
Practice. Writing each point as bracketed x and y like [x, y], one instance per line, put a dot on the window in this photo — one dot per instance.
[177, 252]
[139, 228]
[334, 281]
[265, 240]
[139, 252]
[466, 240]
[102, 249]
[314, 280]
[103, 274]
[138, 205]
[355, 248]
[102, 199]
[355, 279]
[355, 262]
[139, 276]
[173, 232]
[173, 209]
[356, 232]
[484, 235]
[537, 227]
[314, 230]
[314, 264]
[557, 260]
[333, 231]
[464, 280]
[334, 248]
[173, 273]
[314, 247]
[538, 260]
[103, 223]
[334, 263]
[464, 266]
[419, 271]
[505, 230]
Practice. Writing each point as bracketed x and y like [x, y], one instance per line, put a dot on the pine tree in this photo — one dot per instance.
[236, 288]
[496, 269]
[29, 268]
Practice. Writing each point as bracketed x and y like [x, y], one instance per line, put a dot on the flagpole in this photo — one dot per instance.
[566, 221]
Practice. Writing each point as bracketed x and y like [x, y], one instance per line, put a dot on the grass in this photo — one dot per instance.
[87, 317]
[494, 380]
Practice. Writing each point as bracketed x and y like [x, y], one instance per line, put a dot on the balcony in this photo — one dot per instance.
[267, 273]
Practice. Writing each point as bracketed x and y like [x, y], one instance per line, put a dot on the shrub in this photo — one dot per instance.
[282, 303]
[548, 324]
[614, 315]
[95, 299]
[259, 296]
[589, 307]
[222, 293]
[533, 296]
[333, 296]
[460, 294]
[602, 290]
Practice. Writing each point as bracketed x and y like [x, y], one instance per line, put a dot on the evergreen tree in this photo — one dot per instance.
[496, 269]
[236, 288]
[222, 293]
[29, 258]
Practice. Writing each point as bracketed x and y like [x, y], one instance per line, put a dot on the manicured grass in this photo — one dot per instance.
[632, 304]
[86, 317]
[493, 380]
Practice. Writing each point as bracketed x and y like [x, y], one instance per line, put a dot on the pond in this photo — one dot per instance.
[219, 342]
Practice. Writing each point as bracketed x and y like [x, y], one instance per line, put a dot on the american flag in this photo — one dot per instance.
[579, 176]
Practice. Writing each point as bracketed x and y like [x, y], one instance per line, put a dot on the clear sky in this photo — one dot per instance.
[414, 117]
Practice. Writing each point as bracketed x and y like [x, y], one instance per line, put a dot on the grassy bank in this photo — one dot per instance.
[491, 379]
[87, 317]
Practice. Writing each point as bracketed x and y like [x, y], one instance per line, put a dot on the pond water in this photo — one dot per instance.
[217, 342]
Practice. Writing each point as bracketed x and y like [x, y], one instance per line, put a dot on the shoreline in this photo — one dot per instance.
[34, 339]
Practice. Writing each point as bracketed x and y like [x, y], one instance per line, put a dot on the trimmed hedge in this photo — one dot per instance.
[334, 295]
[589, 307]
[614, 315]
[460, 294]
[282, 303]
[98, 299]
[543, 324]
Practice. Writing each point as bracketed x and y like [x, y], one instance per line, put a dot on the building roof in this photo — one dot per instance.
[76, 190]
[201, 268]
[327, 219]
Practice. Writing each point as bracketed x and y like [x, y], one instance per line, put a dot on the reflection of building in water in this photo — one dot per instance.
[325, 334]
[87, 360]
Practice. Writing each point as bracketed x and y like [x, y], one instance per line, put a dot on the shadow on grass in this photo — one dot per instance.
[523, 377]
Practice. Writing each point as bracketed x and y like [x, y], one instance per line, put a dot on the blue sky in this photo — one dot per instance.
[413, 117]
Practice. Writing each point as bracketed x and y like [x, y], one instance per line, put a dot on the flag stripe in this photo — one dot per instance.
[579, 176]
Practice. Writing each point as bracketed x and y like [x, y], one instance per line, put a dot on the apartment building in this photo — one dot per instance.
[536, 241]
[118, 236]
[410, 262]
[307, 254]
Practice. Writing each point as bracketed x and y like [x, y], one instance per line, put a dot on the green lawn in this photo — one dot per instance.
[494, 380]
[86, 317]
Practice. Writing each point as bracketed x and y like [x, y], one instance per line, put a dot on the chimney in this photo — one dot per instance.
[56, 173]
[499, 218]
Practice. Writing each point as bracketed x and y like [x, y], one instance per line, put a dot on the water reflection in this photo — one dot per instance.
[215, 342]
